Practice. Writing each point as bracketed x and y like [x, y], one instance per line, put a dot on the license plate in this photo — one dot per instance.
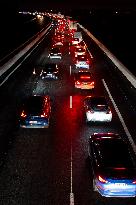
[33, 122]
[120, 184]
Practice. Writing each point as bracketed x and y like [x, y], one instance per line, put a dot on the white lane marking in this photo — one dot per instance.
[88, 50]
[70, 101]
[70, 69]
[120, 117]
[71, 177]
[10, 75]
[21, 62]
[90, 53]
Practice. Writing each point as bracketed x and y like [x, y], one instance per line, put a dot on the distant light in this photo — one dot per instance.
[116, 12]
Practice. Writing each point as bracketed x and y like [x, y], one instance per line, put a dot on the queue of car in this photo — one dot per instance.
[114, 171]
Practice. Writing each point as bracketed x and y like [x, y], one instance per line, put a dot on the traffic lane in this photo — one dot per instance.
[82, 173]
[17, 92]
[30, 155]
[53, 195]
[121, 90]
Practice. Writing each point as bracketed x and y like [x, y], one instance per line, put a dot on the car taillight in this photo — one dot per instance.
[23, 114]
[109, 112]
[77, 82]
[134, 182]
[34, 72]
[44, 115]
[90, 111]
[87, 62]
[92, 83]
[102, 180]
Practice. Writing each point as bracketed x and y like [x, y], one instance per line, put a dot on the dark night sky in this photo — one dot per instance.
[64, 4]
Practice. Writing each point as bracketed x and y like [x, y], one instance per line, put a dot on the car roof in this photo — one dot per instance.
[84, 73]
[55, 49]
[35, 103]
[50, 65]
[79, 49]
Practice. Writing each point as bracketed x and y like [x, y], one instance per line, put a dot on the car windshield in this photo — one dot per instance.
[55, 50]
[50, 67]
[98, 104]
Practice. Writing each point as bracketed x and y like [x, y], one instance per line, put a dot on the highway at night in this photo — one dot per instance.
[50, 166]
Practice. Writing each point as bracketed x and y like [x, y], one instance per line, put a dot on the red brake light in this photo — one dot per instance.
[90, 111]
[77, 82]
[87, 61]
[23, 114]
[92, 83]
[120, 168]
[134, 182]
[85, 77]
[102, 180]
[44, 115]
[109, 112]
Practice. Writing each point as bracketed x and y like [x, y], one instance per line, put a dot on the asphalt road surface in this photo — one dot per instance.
[50, 166]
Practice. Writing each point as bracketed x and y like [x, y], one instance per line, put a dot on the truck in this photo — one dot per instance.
[73, 25]
[78, 34]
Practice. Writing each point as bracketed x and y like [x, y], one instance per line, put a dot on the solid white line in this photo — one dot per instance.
[70, 101]
[90, 53]
[120, 117]
[9, 75]
[70, 69]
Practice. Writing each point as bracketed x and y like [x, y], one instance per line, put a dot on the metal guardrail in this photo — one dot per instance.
[117, 63]
[15, 51]
[23, 50]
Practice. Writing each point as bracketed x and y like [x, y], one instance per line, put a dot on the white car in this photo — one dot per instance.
[82, 62]
[97, 109]
[75, 41]
[55, 53]
[79, 51]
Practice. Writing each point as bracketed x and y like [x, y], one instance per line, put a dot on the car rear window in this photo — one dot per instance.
[114, 153]
[98, 104]
[34, 105]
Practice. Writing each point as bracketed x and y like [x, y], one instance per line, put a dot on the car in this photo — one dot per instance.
[75, 41]
[57, 44]
[79, 51]
[81, 44]
[84, 80]
[113, 165]
[97, 109]
[55, 53]
[35, 112]
[50, 71]
[82, 62]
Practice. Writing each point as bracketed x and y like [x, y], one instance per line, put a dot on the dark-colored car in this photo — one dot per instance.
[50, 71]
[55, 52]
[113, 165]
[35, 112]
